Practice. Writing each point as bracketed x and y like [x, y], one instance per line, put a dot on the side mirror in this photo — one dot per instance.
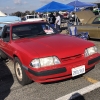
[6, 39]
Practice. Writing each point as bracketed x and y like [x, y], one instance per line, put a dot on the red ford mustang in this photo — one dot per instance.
[41, 54]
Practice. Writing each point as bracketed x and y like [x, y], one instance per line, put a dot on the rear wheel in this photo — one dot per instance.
[88, 38]
[20, 73]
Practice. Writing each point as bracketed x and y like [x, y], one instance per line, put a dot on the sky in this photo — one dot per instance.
[11, 6]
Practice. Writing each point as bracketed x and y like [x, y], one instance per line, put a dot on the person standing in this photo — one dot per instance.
[52, 19]
[58, 21]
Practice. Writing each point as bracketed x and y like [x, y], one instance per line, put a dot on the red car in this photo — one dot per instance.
[41, 54]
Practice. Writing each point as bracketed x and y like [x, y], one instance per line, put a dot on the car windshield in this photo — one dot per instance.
[32, 30]
[32, 17]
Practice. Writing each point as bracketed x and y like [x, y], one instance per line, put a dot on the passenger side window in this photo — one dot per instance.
[96, 20]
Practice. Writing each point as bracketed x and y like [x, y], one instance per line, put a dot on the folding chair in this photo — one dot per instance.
[73, 32]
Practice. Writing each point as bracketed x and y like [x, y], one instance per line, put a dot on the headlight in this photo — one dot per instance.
[90, 51]
[42, 62]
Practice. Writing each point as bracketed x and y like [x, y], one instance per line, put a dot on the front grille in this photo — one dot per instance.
[71, 58]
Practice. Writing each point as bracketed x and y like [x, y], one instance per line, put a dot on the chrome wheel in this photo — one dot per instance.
[18, 71]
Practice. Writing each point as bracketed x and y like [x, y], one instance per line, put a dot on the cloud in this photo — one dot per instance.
[48, 1]
[20, 2]
[9, 8]
[25, 2]
[97, 1]
[45, 1]
[17, 1]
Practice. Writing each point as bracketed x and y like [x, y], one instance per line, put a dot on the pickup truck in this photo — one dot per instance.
[41, 54]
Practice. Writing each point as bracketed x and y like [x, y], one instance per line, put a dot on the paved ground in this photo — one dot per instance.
[93, 95]
[10, 89]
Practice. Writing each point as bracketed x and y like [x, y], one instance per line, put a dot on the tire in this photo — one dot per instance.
[20, 73]
[88, 38]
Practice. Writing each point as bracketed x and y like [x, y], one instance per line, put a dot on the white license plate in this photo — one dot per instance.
[78, 70]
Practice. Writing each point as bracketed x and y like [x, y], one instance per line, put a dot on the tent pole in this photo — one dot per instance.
[75, 11]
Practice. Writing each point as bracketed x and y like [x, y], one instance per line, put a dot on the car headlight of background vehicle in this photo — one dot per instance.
[90, 51]
[42, 62]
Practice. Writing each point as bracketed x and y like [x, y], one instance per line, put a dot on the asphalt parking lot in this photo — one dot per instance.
[10, 89]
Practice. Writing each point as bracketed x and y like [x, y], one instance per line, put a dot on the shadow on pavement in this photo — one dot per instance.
[95, 39]
[6, 80]
[76, 96]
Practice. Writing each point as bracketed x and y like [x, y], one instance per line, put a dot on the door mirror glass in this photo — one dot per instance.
[7, 39]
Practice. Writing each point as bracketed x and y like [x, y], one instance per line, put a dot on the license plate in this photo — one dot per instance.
[78, 70]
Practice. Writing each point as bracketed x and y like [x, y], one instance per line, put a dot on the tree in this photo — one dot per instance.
[33, 12]
[18, 13]
[27, 12]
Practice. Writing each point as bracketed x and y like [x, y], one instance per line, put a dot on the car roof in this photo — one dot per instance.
[9, 19]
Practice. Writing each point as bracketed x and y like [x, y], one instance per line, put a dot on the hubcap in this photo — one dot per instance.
[18, 71]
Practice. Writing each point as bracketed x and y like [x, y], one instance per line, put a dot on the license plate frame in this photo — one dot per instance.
[78, 70]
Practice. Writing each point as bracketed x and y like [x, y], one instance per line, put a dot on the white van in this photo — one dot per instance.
[32, 18]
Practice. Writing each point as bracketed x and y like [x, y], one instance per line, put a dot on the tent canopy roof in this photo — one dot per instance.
[77, 3]
[2, 14]
[55, 6]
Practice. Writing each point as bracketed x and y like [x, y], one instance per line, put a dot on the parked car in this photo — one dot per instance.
[89, 23]
[31, 18]
[41, 54]
[6, 20]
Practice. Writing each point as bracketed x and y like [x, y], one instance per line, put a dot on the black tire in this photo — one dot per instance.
[20, 73]
[88, 37]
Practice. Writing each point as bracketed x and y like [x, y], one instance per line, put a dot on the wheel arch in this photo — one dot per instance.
[18, 56]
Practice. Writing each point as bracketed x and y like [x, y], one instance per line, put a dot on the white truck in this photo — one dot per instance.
[32, 18]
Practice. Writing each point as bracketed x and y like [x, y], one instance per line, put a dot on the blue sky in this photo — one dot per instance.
[10, 6]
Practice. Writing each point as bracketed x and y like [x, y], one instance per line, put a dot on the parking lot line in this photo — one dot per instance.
[91, 80]
[82, 91]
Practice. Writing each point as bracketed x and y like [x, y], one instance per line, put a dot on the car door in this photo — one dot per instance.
[96, 23]
[5, 41]
[99, 31]
[90, 28]
[93, 30]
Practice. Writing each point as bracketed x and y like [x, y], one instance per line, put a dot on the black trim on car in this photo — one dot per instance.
[93, 60]
[48, 72]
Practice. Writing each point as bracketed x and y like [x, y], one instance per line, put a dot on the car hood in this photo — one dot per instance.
[58, 45]
[85, 15]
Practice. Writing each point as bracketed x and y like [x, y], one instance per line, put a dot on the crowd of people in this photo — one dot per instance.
[55, 19]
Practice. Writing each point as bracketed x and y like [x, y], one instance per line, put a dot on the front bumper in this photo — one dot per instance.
[59, 73]
[48, 72]
[92, 61]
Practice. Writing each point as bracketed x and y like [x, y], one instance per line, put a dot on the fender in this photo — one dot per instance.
[16, 54]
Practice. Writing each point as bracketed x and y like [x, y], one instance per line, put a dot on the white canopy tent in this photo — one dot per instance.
[2, 14]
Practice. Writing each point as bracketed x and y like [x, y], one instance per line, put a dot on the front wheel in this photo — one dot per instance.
[20, 73]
